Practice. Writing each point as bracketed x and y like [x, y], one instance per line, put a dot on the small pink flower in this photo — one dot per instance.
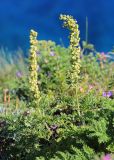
[81, 89]
[102, 57]
[90, 87]
[102, 53]
[107, 157]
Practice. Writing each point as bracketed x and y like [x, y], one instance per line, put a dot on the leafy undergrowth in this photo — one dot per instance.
[57, 128]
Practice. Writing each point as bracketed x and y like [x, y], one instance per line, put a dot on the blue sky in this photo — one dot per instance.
[18, 17]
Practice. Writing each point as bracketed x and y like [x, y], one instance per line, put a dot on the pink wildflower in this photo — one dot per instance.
[81, 90]
[90, 87]
[107, 157]
[102, 57]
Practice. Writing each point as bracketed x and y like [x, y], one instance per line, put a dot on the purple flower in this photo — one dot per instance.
[49, 74]
[53, 127]
[107, 157]
[2, 124]
[19, 74]
[107, 94]
[80, 56]
[38, 53]
[52, 53]
[104, 94]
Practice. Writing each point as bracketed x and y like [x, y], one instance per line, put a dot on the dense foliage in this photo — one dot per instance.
[54, 129]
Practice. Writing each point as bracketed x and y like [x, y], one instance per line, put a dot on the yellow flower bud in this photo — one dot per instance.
[33, 67]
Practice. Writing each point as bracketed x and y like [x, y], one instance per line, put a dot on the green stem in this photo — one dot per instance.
[77, 101]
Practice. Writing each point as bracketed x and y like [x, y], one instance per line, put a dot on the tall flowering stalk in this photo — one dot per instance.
[72, 25]
[33, 66]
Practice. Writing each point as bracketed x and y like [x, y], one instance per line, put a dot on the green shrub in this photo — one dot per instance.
[55, 129]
